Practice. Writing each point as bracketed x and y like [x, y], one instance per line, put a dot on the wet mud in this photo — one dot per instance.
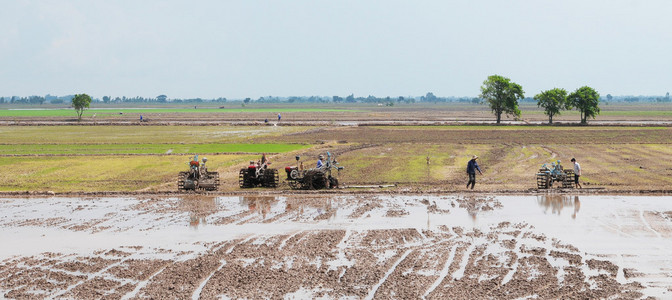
[340, 246]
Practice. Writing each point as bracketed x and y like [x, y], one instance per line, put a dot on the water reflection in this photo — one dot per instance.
[322, 206]
[259, 204]
[555, 203]
[199, 207]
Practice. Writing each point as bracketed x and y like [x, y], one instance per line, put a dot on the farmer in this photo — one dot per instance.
[472, 166]
[319, 161]
[577, 173]
[279, 117]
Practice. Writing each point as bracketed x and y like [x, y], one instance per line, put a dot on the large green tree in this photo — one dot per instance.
[587, 101]
[553, 101]
[502, 95]
[81, 102]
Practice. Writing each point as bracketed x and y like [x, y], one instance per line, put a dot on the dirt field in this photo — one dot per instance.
[615, 159]
[344, 246]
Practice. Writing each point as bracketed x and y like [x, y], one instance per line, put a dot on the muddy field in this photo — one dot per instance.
[339, 246]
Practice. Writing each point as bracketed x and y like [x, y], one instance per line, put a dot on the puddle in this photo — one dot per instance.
[611, 240]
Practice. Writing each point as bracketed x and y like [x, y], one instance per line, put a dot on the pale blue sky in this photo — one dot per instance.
[238, 49]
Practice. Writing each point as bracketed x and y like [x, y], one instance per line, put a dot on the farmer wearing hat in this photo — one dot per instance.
[472, 166]
[319, 161]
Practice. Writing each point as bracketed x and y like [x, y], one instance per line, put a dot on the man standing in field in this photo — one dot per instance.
[472, 166]
[577, 173]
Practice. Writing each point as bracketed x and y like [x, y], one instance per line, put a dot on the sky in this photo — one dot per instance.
[250, 48]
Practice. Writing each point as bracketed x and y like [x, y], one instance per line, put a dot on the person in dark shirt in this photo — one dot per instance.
[472, 167]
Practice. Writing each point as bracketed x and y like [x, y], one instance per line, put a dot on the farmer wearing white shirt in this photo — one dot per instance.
[577, 172]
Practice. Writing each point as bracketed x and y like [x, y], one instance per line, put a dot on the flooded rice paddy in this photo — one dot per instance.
[344, 246]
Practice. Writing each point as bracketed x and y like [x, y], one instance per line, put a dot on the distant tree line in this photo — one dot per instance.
[633, 99]
[157, 99]
[389, 101]
[370, 99]
[35, 99]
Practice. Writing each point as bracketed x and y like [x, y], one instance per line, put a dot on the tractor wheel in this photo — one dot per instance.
[180, 180]
[333, 182]
[307, 180]
[319, 181]
[293, 184]
[313, 180]
[215, 178]
[543, 181]
[244, 180]
[270, 178]
[568, 183]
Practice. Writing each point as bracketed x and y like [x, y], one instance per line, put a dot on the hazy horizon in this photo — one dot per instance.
[212, 49]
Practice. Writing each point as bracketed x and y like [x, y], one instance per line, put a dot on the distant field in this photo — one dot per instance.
[117, 111]
[64, 149]
[504, 135]
[257, 112]
[139, 134]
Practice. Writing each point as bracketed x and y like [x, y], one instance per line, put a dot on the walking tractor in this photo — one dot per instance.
[554, 173]
[313, 179]
[198, 177]
[258, 174]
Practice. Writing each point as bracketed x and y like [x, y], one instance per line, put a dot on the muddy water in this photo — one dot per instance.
[624, 239]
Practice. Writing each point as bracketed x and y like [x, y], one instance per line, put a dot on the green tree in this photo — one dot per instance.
[587, 101]
[81, 102]
[502, 95]
[430, 97]
[553, 101]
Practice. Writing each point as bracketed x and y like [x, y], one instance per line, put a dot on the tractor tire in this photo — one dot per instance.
[320, 182]
[270, 178]
[244, 179]
[314, 180]
[568, 182]
[543, 181]
[333, 182]
[293, 184]
[215, 175]
[181, 177]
